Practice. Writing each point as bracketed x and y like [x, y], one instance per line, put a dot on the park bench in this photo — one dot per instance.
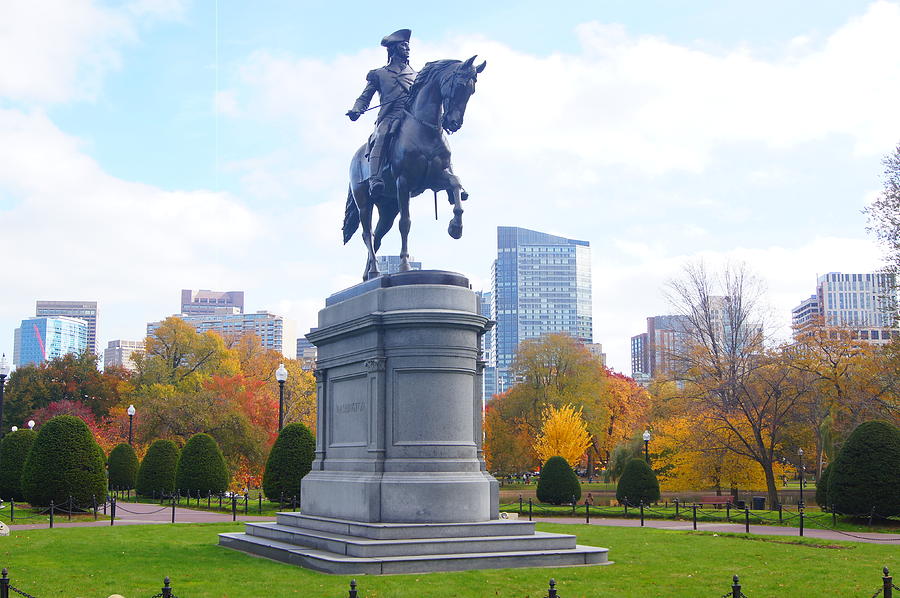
[716, 501]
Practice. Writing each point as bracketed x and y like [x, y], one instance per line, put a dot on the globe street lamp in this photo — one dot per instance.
[800, 452]
[15, 428]
[4, 372]
[131, 412]
[31, 424]
[281, 375]
[646, 437]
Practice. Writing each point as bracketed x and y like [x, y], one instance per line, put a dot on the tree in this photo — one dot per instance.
[563, 433]
[748, 392]
[123, 467]
[884, 221]
[822, 488]
[156, 475]
[558, 483]
[291, 459]
[201, 466]
[507, 446]
[637, 484]
[64, 461]
[14, 450]
[865, 477]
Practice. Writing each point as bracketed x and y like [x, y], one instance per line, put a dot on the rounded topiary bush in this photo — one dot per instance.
[558, 483]
[822, 488]
[865, 476]
[290, 459]
[13, 452]
[201, 466]
[123, 467]
[157, 472]
[64, 461]
[638, 483]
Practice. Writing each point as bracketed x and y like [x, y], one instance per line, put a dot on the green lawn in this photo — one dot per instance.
[132, 560]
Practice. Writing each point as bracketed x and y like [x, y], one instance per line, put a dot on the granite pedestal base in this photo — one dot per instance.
[399, 482]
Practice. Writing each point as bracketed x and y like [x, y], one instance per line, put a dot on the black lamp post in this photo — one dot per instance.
[4, 372]
[131, 412]
[646, 437]
[800, 452]
[281, 375]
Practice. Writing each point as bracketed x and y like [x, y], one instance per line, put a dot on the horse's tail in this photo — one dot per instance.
[351, 216]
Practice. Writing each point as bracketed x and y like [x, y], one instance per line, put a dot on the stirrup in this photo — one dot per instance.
[376, 186]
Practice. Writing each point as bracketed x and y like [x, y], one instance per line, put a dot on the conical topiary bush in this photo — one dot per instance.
[64, 461]
[865, 476]
[290, 459]
[14, 450]
[156, 475]
[638, 483]
[201, 467]
[558, 483]
[123, 467]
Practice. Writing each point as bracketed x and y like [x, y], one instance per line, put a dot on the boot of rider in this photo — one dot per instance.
[376, 184]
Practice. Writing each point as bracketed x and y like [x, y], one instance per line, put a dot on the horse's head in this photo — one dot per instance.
[456, 89]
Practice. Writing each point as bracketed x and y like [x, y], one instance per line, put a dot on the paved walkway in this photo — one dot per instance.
[735, 528]
[129, 513]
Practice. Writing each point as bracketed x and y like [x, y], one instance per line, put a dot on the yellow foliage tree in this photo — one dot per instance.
[563, 433]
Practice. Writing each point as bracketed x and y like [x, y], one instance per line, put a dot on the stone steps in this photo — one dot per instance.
[329, 562]
[401, 531]
[365, 547]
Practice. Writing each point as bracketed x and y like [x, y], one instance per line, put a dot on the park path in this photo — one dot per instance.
[128, 513]
[736, 528]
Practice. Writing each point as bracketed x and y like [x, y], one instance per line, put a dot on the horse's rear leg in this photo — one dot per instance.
[387, 212]
[405, 223]
[365, 219]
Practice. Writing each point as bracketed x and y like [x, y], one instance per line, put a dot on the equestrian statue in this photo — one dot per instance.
[408, 152]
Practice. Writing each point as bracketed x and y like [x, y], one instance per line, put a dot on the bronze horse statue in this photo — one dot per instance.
[418, 159]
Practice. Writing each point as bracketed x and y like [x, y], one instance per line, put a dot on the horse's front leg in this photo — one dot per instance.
[364, 204]
[405, 223]
[454, 189]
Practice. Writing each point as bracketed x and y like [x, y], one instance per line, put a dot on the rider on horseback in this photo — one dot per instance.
[392, 82]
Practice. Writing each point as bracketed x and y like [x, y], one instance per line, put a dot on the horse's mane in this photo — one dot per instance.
[431, 71]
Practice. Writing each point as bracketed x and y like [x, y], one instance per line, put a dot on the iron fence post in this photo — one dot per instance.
[294, 503]
[233, 507]
[94, 505]
[573, 505]
[780, 512]
[166, 589]
[694, 507]
[642, 512]
[173, 509]
[246, 503]
[71, 507]
[747, 520]
[626, 505]
[551, 593]
[587, 512]
[260, 503]
[353, 593]
[112, 511]
[728, 511]
[529, 509]
[887, 583]
[521, 512]
[4, 584]
[833, 517]
[676, 508]
[801, 521]
[735, 587]
[51, 513]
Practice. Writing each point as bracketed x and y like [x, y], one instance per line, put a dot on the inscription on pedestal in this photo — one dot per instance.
[349, 411]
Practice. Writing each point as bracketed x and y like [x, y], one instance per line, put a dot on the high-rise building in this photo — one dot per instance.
[120, 353]
[541, 284]
[83, 310]
[596, 350]
[270, 328]
[390, 264]
[307, 352]
[196, 303]
[860, 302]
[46, 338]
[652, 352]
[487, 343]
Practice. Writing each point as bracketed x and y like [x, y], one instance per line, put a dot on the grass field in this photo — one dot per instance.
[132, 561]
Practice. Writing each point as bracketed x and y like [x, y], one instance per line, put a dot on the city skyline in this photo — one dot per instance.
[659, 134]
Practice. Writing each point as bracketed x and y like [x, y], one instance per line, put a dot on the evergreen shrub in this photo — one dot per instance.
[290, 459]
[64, 461]
[558, 483]
[123, 467]
[157, 472]
[865, 476]
[13, 452]
[201, 467]
[638, 483]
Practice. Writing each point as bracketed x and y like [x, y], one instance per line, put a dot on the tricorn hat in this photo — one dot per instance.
[401, 35]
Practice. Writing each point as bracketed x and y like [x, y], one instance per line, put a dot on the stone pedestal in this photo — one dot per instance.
[399, 482]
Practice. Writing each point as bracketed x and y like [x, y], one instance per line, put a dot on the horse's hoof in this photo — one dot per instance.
[455, 229]
[464, 196]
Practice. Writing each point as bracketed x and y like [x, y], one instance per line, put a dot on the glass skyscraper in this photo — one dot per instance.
[43, 339]
[541, 284]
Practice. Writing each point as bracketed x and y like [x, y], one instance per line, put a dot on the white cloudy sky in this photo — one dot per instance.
[155, 145]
